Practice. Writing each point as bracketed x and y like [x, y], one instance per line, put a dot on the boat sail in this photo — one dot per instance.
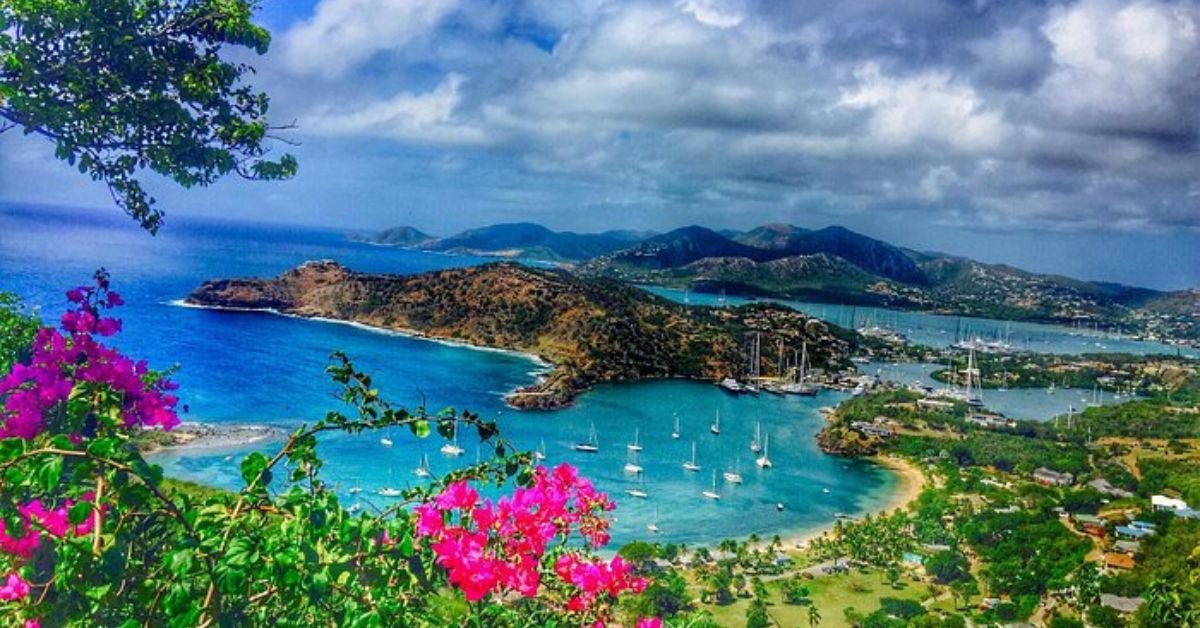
[636, 445]
[764, 461]
[652, 527]
[690, 465]
[801, 386]
[592, 445]
[540, 454]
[675, 434]
[712, 493]
[755, 444]
[715, 428]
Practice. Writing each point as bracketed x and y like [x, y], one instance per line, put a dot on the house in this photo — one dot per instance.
[1120, 604]
[871, 429]
[1188, 513]
[1127, 547]
[1048, 477]
[990, 422]
[1104, 486]
[1142, 525]
[1162, 502]
[1125, 562]
[1131, 532]
[1084, 519]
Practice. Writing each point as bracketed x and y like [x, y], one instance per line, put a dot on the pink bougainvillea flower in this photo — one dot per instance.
[650, 622]
[14, 588]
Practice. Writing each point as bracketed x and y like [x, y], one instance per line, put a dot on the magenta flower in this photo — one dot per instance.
[15, 588]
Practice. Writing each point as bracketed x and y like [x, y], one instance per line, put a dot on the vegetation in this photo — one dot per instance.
[122, 86]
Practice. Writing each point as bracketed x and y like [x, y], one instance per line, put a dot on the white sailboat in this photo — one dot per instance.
[640, 491]
[652, 527]
[755, 444]
[356, 489]
[764, 461]
[386, 439]
[675, 434]
[636, 445]
[592, 445]
[800, 386]
[540, 454]
[690, 465]
[733, 476]
[632, 466]
[388, 491]
[712, 493]
[451, 448]
[422, 470]
[715, 428]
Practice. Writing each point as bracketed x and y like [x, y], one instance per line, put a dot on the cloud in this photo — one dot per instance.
[427, 117]
[345, 33]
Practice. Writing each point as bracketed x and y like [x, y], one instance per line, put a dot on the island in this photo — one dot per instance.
[589, 329]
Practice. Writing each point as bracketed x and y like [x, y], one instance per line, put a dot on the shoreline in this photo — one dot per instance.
[910, 481]
[195, 437]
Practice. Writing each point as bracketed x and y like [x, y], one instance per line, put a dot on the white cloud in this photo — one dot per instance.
[716, 13]
[344, 33]
[428, 117]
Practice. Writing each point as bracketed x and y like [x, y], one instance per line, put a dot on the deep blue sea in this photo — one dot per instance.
[261, 368]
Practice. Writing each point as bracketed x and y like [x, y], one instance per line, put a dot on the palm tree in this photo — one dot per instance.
[814, 616]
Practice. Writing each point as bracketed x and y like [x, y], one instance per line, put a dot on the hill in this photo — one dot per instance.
[591, 329]
[514, 240]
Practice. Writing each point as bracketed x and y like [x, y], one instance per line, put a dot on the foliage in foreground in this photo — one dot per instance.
[91, 534]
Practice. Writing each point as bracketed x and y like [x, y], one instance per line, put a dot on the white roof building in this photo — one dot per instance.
[1162, 502]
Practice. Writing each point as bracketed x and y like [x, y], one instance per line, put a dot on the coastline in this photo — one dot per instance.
[910, 481]
[191, 437]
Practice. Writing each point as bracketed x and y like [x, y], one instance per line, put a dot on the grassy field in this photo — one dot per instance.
[831, 594]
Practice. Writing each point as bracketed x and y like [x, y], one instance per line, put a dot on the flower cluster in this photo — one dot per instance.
[61, 364]
[37, 519]
[502, 548]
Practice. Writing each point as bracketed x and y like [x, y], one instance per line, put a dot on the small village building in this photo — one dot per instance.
[1131, 532]
[1120, 604]
[1106, 487]
[870, 429]
[1124, 562]
[1049, 477]
[1142, 525]
[1188, 513]
[1162, 502]
[934, 404]
[1127, 547]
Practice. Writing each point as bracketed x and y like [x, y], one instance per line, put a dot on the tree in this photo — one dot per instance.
[756, 615]
[964, 590]
[814, 616]
[1087, 584]
[121, 86]
[948, 566]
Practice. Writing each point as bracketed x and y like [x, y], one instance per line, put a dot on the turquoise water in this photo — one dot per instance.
[261, 368]
[935, 330]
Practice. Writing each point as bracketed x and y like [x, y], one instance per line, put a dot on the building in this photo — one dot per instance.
[1162, 502]
[871, 429]
[1131, 532]
[1106, 487]
[1124, 562]
[1049, 477]
[1120, 604]
[1127, 547]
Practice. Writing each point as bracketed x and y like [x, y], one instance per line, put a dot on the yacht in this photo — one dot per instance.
[592, 445]
[652, 527]
[800, 386]
[422, 470]
[732, 386]
[690, 465]
[636, 445]
[638, 492]
[712, 492]
[715, 428]
[540, 454]
[632, 466]
[356, 489]
[755, 445]
[733, 476]
[385, 441]
[675, 434]
[390, 492]
[451, 448]
[764, 461]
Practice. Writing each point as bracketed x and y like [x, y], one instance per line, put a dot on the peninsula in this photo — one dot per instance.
[590, 329]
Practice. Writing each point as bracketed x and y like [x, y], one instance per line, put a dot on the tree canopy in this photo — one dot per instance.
[122, 86]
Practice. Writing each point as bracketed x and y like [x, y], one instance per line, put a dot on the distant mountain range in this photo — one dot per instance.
[832, 264]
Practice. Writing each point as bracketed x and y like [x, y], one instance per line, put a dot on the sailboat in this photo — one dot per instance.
[422, 470]
[388, 491]
[733, 476]
[754, 444]
[636, 445]
[632, 466]
[715, 428]
[652, 527]
[800, 386]
[451, 448]
[592, 445]
[690, 465]
[540, 454]
[386, 439]
[764, 461]
[356, 489]
[675, 434]
[712, 493]
[639, 492]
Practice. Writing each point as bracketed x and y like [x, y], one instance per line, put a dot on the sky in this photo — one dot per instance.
[1055, 136]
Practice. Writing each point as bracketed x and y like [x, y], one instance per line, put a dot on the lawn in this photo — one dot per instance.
[831, 594]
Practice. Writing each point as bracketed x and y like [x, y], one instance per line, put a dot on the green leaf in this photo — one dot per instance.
[79, 512]
[252, 466]
[50, 473]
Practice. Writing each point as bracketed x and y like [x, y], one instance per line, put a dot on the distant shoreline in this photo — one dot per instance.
[192, 437]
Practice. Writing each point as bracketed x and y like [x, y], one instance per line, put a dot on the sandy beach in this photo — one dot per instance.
[910, 481]
[204, 436]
